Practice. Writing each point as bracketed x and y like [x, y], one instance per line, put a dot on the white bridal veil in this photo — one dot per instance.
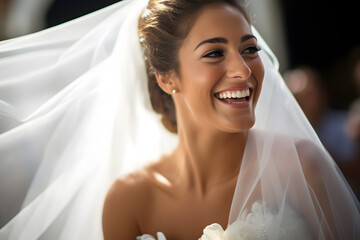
[75, 114]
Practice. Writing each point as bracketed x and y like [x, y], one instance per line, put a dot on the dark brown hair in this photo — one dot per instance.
[162, 27]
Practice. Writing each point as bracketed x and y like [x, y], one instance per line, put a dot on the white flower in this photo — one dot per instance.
[213, 232]
[160, 236]
[247, 227]
[261, 223]
[253, 225]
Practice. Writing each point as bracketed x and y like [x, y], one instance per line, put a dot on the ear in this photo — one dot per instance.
[167, 82]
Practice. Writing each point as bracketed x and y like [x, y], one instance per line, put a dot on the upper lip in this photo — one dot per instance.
[235, 88]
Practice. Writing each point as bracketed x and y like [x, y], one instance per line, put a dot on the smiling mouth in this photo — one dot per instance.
[234, 96]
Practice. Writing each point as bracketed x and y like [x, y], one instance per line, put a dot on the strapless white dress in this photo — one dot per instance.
[259, 224]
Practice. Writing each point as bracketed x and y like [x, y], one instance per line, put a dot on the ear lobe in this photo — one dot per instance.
[165, 82]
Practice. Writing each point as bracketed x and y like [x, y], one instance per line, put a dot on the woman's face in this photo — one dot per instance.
[220, 71]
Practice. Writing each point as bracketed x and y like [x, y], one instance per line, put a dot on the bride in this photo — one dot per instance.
[76, 106]
[207, 60]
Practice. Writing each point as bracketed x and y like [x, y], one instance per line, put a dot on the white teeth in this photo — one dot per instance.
[234, 94]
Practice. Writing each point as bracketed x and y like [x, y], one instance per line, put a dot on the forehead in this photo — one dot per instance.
[218, 20]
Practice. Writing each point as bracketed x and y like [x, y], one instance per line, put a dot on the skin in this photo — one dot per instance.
[193, 187]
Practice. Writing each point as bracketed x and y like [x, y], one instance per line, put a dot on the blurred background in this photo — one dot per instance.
[317, 44]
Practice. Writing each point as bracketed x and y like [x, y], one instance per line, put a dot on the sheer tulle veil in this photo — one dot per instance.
[75, 114]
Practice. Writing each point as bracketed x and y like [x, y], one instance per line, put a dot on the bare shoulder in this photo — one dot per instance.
[125, 201]
[313, 158]
[130, 198]
[321, 174]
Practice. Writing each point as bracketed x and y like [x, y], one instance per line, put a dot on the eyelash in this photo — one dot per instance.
[220, 53]
[253, 49]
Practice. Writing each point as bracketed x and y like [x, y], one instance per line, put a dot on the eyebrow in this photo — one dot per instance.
[223, 40]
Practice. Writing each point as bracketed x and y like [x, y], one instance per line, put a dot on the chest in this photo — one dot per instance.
[184, 214]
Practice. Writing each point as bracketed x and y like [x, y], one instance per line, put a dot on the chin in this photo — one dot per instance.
[241, 125]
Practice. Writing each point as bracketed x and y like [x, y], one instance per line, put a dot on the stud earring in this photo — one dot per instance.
[174, 91]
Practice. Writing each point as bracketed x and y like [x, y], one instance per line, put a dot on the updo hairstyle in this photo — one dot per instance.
[163, 25]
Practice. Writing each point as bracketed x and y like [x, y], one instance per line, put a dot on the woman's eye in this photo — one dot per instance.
[252, 49]
[214, 54]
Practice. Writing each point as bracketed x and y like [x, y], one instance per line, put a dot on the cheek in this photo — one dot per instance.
[201, 78]
[257, 69]
[198, 82]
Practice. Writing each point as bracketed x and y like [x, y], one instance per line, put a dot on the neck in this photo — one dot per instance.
[208, 157]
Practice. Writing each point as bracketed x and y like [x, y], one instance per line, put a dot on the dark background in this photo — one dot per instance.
[64, 10]
[324, 35]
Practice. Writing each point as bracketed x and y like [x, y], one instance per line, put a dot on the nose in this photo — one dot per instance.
[238, 68]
